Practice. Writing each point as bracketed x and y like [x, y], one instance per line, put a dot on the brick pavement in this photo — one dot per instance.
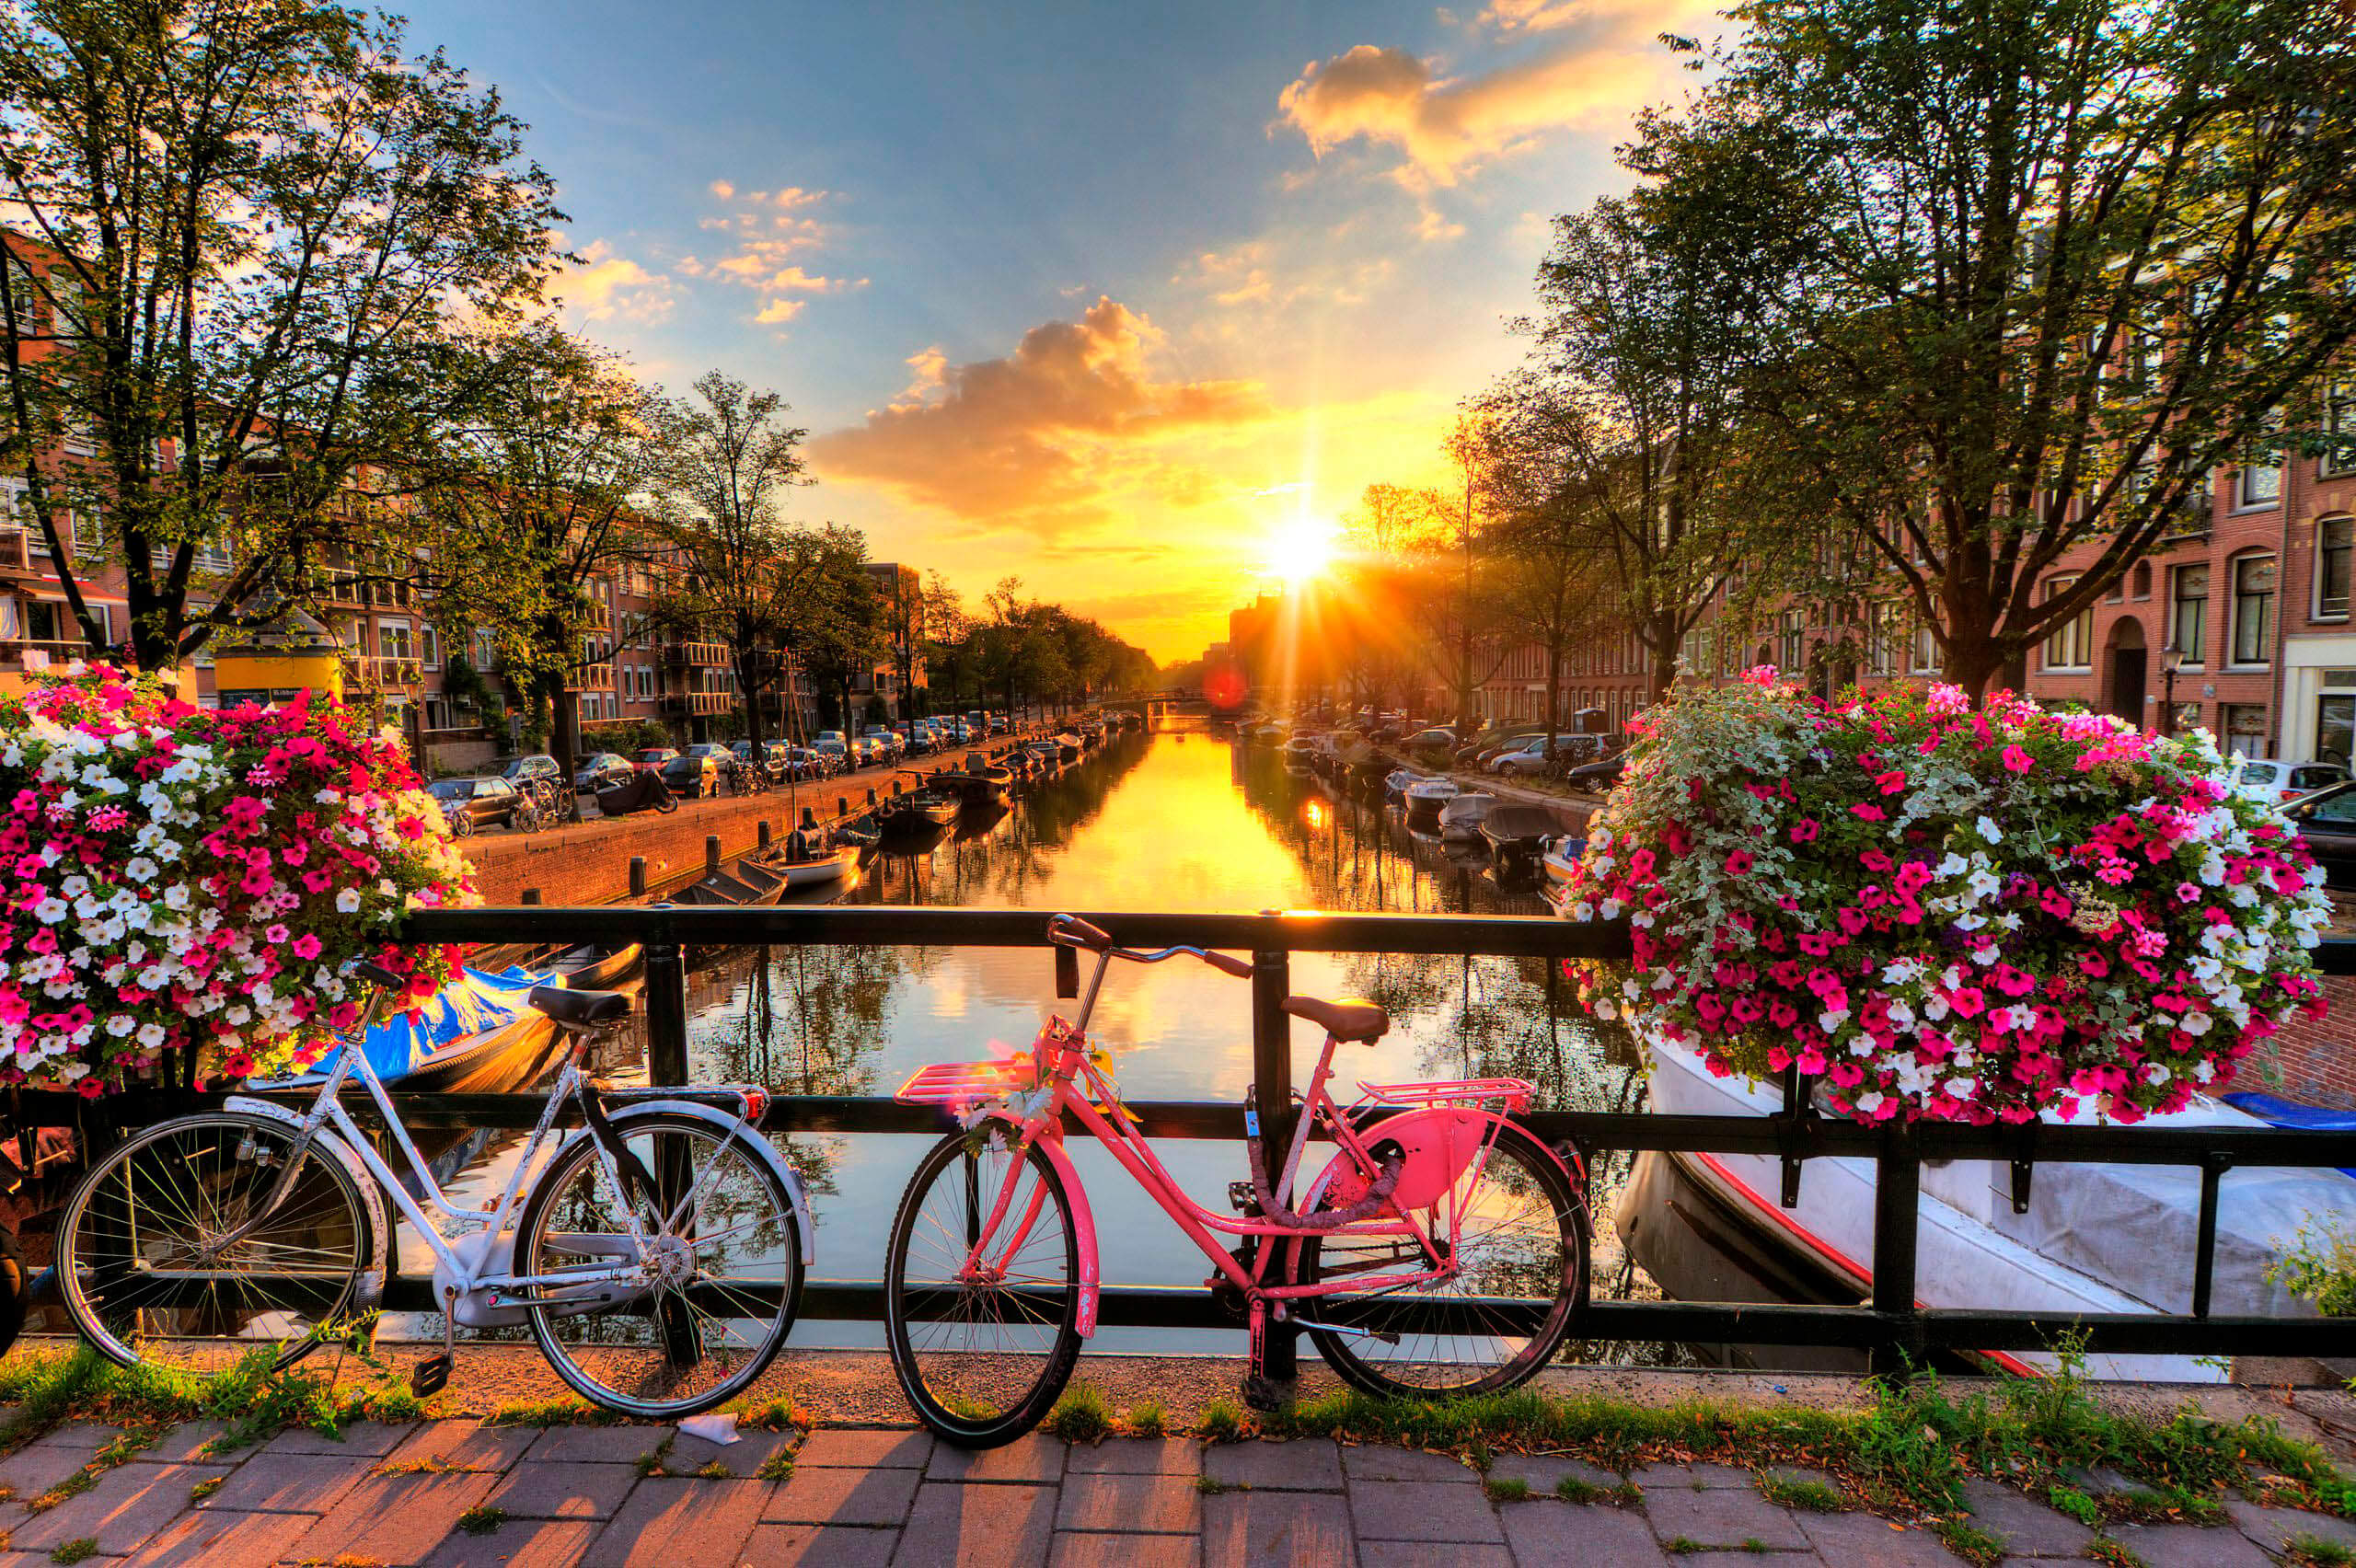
[455, 1493]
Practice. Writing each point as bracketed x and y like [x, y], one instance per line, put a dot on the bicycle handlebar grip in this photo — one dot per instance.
[1227, 965]
[377, 974]
[1080, 930]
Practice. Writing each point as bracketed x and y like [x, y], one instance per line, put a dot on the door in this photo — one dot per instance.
[2127, 684]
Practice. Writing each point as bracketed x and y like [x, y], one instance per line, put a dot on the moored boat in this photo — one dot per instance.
[1517, 835]
[1425, 799]
[1464, 814]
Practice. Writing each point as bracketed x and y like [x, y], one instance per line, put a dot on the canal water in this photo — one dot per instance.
[1180, 818]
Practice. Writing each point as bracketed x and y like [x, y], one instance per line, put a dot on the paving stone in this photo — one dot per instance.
[886, 1449]
[35, 1468]
[1793, 1475]
[978, 1527]
[463, 1444]
[2022, 1526]
[1418, 1554]
[1275, 1529]
[1844, 1539]
[1543, 1472]
[1314, 1464]
[1554, 1535]
[1136, 1456]
[290, 1483]
[218, 1537]
[670, 1523]
[820, 1546]
[753, 1447]
[2190, 1546]
[820, 1496]
[89, 1436]
[2106, 1481]
[1424, 1510]
[373, 1437]
[520, 1543]
[125, 1509]
[186, 1442]
[1168, 1505]
[552, 1489]
[1033, 1458]
[1380, 1462]
[1721, 1516]
[394, 1519]
[1080, 1551]
[598, 1445]
[2271, 1528]
[1693, 1478]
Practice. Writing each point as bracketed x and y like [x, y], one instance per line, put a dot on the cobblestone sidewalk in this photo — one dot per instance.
[452, 1493]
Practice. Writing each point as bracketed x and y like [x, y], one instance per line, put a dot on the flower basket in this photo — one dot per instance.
[1947, 913]
[182, 880]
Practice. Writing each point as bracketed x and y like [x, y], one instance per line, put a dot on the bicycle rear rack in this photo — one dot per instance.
[1469, 1093]
[964, 1083]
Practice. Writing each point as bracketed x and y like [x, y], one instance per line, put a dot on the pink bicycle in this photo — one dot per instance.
[1443, 1248]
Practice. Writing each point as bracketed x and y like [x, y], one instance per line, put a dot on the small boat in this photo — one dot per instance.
[1561, 861]
[593, 967]
[1517, 835]
[832, 866]
[919, 808]
[1069, 746]
[1465, 812]
[857, 833]
[478, 1034]
[1394, 785]
[742, 883]
[1425, 800]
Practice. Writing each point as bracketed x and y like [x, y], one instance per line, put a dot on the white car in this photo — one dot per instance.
[2278, 782]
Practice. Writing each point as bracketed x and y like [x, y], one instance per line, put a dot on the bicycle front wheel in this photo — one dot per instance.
[1521, 1255]
[982, 1351]
[148, 1275]
[696, 1320]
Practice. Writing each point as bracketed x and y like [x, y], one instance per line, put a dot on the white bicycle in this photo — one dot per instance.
[656, 1253]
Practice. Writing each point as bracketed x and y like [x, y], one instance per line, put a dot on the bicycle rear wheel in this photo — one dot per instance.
[982, 1358]
[1523, 1254]
[142, 1272]
[723, 1285]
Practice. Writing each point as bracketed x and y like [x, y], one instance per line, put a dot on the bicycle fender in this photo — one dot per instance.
[371, 1293]
[1083, 1220]
[722, 1120]
[1438, 1141]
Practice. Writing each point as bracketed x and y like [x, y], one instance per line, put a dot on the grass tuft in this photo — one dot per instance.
[1222, 1423]
[74, 1550]
[481, 1519]
[1209, 1487]
[206, 1488]
[1507, 1489]
[1971, 1542]
[1810, 1496]
[1681, 1546]
[2103, 1549]
[2315, 1552]
[2076, 1505]
[569, 1410]
[1081, 1417]
[651, 1463]
[1147, 1418]
[777, 1467]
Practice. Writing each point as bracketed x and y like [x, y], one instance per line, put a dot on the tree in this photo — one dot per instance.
[2060, 261]
[721, 461]
[531, 502]
[948, 641]
[1547, 532]
[836, 622]
[248, 227]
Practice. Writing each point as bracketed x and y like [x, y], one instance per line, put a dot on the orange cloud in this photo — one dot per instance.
[1446, 126]
[603, 285]
[765, 229]
[1042, 436]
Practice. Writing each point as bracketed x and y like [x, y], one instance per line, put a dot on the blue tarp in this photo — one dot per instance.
[2277, 1111]
[476, 1004]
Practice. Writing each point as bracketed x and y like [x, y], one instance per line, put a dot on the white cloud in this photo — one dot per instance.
[603, 285]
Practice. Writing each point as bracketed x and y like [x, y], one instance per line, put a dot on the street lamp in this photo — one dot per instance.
[2171, 660]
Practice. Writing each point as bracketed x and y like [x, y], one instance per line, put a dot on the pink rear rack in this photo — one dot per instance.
[1516, 1092]
[964, 1083]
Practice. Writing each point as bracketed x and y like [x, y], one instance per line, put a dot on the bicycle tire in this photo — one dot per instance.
[462, 825]
[13, 1278]
[182, 1170]
[554, 1182]
[965, 1423]
[1366, 1372]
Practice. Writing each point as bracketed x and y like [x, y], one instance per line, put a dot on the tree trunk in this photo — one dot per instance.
[748, 685]
[1660, 641]
[1973, 663]
[565, 725]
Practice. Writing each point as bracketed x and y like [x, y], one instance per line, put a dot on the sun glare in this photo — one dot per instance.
[1300, 549]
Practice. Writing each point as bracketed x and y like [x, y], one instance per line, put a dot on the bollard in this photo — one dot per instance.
[638, 876]
[871, 794]
[765, 833]
[842, 805]
[531, 896]
[711, 854]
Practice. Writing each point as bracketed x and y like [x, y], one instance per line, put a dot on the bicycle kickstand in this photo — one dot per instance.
[431, 1376]
[1260, 1391]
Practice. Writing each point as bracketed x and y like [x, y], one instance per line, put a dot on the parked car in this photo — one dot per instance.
[604, 768]
[803, 764]
[1438, 735]
[1531, 760]
[539, 764]
[833, 756]
[470, 804]
[650, 759]
[921, 740]
[2326, 823]
[723, 758]
[1490, 744]
[2282, 781]
[998, 724]
[691, 777]
[887, 742]
[1597, 778]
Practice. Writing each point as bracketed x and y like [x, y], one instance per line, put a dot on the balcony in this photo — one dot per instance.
[700, 704]
[698, 655]
[590, 677]
[382, 673]
[25, 654]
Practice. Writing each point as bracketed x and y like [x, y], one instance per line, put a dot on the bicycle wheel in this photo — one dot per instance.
[723, 1285]
[142, 1270]
[1522, 1251]
[982, 1360]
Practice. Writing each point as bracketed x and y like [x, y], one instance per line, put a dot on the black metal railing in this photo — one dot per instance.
[1891, 1326]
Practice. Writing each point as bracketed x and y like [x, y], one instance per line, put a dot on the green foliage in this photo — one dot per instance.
[2317, 1552]
[1222, 1423]
[777, 1467]
[74, 1550]
[1507, 1489]
[1147, 1418]
[1969, 1543]
[567, 1410]
[1081, 1417]
[1812, 1496]
[481, 1519]
[2320, 1266]
[2077, 1505]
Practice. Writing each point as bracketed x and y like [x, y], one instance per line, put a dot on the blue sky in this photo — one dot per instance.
[1106, 295]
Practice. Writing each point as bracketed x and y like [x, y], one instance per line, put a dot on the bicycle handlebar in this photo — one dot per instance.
[1070, 930]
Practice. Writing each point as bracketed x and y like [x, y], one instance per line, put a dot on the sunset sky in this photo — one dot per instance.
[1110, 296]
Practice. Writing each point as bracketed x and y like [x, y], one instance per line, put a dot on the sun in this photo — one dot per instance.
[1300, 549]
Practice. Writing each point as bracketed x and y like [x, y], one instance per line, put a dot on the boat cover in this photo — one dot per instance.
[476, 1004]
[1515, 822]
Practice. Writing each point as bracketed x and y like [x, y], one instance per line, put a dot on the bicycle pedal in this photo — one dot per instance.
[431, 1376]
[1241, 1199]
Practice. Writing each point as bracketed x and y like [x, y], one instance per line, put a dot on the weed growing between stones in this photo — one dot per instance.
[1081, 1417]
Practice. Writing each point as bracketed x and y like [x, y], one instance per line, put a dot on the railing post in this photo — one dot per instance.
[1272, 1085]
[638, 876]
[711, 854]
[666, 1013]
[1898, 1199]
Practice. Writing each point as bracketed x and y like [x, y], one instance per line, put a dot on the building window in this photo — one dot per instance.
[2335, 729]
[429, 642]
[2340, 426]
[2261, 473]
[2189, 613]
[2253, 610]
[392, 639]
[1926, 648]
[2334, 536]
[2244, 729]
[2143, 580]
[2070, 646]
